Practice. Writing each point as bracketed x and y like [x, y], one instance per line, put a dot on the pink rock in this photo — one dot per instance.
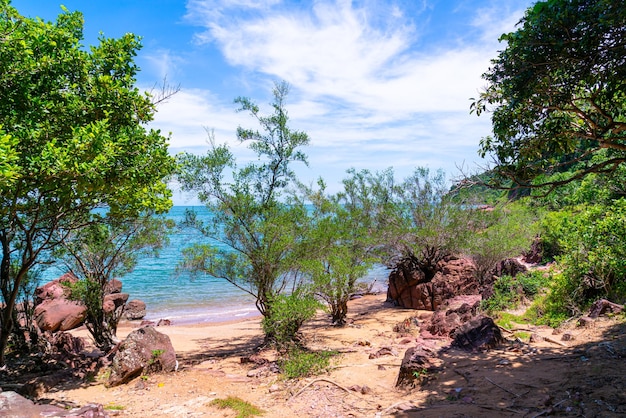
[144, 350]
[54, 289]
[114, 301]
[135, 309]
[59, 315]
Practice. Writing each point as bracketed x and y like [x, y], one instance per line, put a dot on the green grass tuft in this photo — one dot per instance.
[244, 409]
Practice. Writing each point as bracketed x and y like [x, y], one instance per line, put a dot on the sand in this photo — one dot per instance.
[583, 376]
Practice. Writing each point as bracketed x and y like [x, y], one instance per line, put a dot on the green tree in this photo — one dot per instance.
[107, 248]
[256, 227]
[432, 223]
[8, 160]
[341, 243]
[504, 232]
[557, 94]
[77, 125]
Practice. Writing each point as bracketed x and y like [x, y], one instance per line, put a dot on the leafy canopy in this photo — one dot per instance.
[256, 228]
[75, 137]
[558, 94]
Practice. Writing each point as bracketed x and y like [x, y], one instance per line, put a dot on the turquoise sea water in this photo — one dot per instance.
[183, 299]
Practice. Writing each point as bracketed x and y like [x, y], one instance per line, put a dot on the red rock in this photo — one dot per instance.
[59, 315]
[54, 289]
[145, 350]
[113, 286]
[478, 334]
[135, 309]
[602, 307]
[114, 301]
[410, 288]
[418, 366]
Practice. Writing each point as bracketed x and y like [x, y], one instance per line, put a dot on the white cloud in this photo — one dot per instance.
[365, 86]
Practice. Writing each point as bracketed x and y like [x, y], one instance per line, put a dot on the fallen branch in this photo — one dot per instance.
[503, 388]
[321, 379]
[553, 341]
[389, 408]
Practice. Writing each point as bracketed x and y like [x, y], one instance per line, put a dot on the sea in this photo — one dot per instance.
[186, 299]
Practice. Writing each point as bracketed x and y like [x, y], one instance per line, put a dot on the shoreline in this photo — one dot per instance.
[234, 333]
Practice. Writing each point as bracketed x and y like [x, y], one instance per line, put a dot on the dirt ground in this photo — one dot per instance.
[583, 376]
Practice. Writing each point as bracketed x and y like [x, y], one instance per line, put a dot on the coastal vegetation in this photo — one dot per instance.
[74, 138]
[74, 141]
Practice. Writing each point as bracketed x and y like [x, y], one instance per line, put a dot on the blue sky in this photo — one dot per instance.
[375, 84]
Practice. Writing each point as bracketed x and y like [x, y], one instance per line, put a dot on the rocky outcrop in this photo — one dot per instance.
[55, 289]
[452, 315]
[114, 302]
[135, 309]
[603, 307]
[411, 288]
[144, 351]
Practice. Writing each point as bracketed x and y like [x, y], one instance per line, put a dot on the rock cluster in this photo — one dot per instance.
[55, 312]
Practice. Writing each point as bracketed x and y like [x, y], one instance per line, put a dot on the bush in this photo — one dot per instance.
[287, 314]
[592, 247]
[509, 291]
[499, 234]
[300, 363]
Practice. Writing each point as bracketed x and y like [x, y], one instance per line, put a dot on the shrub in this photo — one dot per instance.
[288, 313]
[300, 363]
[509, 291]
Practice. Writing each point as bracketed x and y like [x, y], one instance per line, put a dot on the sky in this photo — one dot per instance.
[375, 84]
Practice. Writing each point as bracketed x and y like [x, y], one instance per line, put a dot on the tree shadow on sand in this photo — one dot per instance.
[520, 380]
[219, 347]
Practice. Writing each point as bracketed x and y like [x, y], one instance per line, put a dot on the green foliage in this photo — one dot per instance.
[591, 248]
[431, 223]
[255, 222]
[506, 231]
[75, 134]
[340, 242]
[288, 313]
[244, 409]
[9, 169]
[509, 291]
[300, 363]
[107, 248]
[558, 94]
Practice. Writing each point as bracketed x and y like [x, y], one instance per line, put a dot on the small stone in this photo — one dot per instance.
[567, 337]
[365, 390]
[274, 388]
[585, 322]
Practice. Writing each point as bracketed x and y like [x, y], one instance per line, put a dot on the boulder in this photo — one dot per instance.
[480, 333]
[54, 289]
[59, 315]
[14, 405]
[113, 286]
[135, 309]
[602, 307]
[454, 313]
[418, 366]
[114, 301]
[411, 288]
[144, 351]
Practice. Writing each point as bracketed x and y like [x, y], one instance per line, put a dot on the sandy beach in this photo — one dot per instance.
[507, 381]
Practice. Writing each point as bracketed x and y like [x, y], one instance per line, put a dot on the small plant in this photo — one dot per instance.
[300, 363]
[114, 407]
[155, 355]
[244, 409]
[418, 374]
